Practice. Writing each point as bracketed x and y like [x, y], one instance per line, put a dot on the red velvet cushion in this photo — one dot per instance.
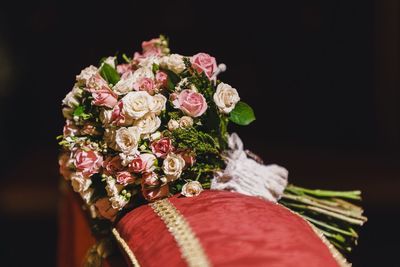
[234, 230]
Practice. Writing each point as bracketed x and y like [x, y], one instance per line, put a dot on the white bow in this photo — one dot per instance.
[246, 176]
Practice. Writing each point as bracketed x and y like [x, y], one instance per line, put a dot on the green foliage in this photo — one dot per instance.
[242, 114]
[172, 80]
[109, 74]
[80, 112]
[197, 141]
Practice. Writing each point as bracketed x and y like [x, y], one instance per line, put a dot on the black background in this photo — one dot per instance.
[322, 76]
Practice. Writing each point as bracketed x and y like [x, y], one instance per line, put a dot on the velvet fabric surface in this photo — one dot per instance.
[234, 230]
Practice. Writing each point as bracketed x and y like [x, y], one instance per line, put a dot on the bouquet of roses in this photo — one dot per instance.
[156, 125]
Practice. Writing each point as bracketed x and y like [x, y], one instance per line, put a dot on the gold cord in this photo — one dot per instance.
[188, 243]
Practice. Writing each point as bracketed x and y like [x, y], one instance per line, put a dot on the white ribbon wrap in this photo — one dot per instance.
[246, 176]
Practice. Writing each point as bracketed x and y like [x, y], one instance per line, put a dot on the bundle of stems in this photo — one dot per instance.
[329, 211]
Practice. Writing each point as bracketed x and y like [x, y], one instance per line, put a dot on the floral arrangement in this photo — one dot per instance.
[156, 125]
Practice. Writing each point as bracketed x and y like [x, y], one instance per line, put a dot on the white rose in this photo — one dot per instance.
[149, 61]
[71, 99]
[192, 189]
[185, 122]
[80, 183]
[148, 124]
[173, 62]
[158, 105]
[137, 104]
[127, 139]
[173, 125]
[125, 85]
[86, 74]
[226, 97]
[118, 202]
[172, 166]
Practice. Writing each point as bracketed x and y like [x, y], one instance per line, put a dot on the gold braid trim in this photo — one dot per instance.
[340, 260]
[188, 243]
[126, 248]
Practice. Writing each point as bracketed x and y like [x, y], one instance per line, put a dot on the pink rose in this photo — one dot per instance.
[124, 68]
[104, 208]
[161, 78]
[70, 129]
[152, 47]
[89, 129]
[145, 84]
[104, 97]
[142, 163]
[117, 116]
[203, 62]
[125, 178]
[112, 165]
[188, 156]
[162, 147]
[191, 103]
[152, 188]
[96, 82]
[88, 162]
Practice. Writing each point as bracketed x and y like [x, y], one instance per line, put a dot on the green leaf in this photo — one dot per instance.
[172, 80]
[242, 114]
[109, 74]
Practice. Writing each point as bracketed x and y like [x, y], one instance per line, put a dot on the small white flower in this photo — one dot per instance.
[137, 104]
[173, 125]
[172, 166]
[226, 98]
[148, 124]
[79, 182]
[127, 139]
[192, 189]
[185, 122]
[173, 62]
[158, 104]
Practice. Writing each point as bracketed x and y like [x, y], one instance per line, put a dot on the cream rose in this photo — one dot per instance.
[129, 79]
[158, 104]
[71, 99]
[172, 166]
[173, 125]
[226, 97]
[185, 122]
[148, 124]
[127, 139]
[192, 189]
[86, 74]
[173, 62]
[137, 104]
[79, 182]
